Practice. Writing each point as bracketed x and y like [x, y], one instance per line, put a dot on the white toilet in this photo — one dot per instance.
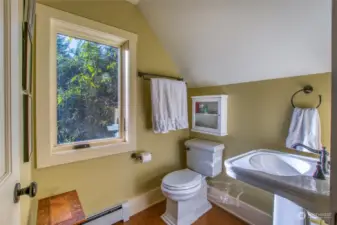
[186, 190]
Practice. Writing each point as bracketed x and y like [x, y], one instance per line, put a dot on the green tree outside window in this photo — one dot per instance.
[87, 90]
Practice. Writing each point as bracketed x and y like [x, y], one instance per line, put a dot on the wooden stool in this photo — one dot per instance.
[63, 209]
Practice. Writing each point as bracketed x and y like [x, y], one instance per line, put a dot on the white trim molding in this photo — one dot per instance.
[146, 200]
[240, 209]
[49, 22]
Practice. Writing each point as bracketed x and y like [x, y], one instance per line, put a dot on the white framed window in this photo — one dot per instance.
[85, 88]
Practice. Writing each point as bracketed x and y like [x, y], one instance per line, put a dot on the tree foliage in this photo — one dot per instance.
[87, 89]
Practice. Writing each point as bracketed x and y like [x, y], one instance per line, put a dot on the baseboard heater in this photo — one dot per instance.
[110, 216]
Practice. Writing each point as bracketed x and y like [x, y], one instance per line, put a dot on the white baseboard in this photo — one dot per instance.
[110, 216]
[146, 200]
[240, 209]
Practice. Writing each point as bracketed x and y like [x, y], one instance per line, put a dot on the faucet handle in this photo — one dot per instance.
[324, 151]
[324, 155]
[319, 173]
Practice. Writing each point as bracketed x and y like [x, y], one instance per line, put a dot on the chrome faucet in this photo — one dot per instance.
[323, 153]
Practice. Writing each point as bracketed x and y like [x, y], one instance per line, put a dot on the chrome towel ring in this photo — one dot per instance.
[307, 90]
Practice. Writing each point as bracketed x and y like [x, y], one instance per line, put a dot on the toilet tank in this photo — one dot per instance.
[204, 157]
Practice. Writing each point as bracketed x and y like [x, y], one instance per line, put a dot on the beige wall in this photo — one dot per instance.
[259, 114]
[106, 181]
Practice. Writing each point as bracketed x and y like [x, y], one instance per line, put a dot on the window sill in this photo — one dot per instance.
[63, 157]
[94, 144]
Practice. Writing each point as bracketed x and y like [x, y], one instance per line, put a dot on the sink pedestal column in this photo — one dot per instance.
[287, 212]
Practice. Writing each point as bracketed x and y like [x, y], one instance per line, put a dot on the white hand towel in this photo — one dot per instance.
[305, 128]
[169, 105]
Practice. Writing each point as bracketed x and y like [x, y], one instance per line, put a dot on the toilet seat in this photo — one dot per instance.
[182, 180]
[181, 185]
[180, 195]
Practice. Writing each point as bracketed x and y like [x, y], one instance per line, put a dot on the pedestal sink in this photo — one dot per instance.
[285, 175]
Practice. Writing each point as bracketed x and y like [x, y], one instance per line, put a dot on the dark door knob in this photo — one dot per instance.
[31, 191]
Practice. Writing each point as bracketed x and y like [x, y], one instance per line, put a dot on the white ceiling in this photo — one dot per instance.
[216, 42]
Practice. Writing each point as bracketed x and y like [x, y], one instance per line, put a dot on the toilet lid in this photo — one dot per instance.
[182, 178]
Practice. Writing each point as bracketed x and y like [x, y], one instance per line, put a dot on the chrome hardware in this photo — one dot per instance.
[323, 155]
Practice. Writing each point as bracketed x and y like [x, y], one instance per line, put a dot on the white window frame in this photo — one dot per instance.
[49, 23]
[80, 32]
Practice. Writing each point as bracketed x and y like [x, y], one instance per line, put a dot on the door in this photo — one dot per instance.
[10, 115]
[333, 157]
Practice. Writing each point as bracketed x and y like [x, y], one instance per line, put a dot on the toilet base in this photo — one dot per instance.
[187, 212]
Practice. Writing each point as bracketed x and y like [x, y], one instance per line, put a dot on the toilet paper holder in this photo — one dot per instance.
[138, 155]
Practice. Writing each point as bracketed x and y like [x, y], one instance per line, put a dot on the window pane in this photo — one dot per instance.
[87, 90]
[206, 120]
[206, 107]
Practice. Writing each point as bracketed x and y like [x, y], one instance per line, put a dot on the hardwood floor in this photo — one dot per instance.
[151, 216]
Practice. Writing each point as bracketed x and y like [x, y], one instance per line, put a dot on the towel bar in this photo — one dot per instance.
[144, 76]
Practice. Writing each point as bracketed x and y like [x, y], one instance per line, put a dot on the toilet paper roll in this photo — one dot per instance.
[146, 157]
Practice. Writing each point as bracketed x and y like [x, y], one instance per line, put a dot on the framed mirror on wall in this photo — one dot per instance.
[27, 78]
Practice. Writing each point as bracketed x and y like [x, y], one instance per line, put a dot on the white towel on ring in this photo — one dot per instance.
[305, 128]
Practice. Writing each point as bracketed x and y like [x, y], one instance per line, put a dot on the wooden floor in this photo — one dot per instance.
[151, 216]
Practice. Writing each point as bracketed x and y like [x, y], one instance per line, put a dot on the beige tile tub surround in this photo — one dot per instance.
[259, 115]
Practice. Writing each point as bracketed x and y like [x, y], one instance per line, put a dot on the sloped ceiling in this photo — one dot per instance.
[216, 42]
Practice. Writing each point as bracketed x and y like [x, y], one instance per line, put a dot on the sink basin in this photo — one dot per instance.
[279, 165]
[273, 163]
[286, 175]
